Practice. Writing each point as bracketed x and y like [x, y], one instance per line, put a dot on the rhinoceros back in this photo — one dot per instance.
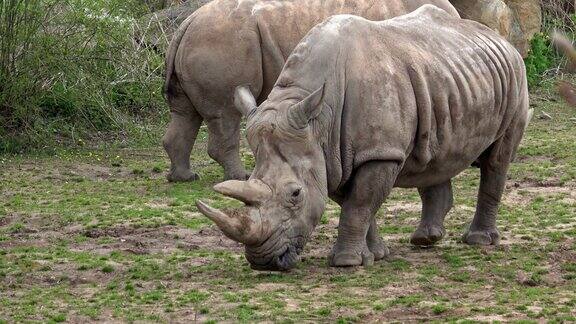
[468, 85]
[427, 90]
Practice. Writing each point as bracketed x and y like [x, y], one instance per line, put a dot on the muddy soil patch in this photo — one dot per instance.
[524, 195]
[164, 239]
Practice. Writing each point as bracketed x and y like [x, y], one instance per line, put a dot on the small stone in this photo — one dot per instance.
[523, 279]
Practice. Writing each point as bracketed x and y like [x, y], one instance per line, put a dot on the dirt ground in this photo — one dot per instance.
[99, 235]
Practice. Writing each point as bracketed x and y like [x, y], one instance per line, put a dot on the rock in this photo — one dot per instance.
[517, 20]
[524, 279]
[528, 22]
[492, 13]
[154, 31]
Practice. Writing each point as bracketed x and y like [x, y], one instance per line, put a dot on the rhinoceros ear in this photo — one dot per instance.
[244, 100]
[306, 110]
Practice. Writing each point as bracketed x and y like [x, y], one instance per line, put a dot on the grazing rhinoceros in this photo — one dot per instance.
[361, 107]
[228, 43]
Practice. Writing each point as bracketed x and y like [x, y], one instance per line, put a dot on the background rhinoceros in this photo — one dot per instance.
[228, 43]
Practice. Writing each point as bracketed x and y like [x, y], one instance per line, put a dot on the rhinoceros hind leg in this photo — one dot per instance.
[494, 164]
[436, 203]
[483, 230]
[369, 188]
[178, 142]
[224, 145]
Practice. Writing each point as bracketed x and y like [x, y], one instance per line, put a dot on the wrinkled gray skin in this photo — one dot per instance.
[228, 43]
[361, 107]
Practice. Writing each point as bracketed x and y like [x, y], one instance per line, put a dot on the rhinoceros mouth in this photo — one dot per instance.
[286, 260]
[283, 257]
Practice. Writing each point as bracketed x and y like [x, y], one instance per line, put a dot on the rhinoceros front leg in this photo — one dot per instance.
[369, 188]
[436, 203]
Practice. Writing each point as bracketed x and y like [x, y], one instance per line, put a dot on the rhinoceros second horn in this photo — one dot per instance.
[252, 192]
[303, 112]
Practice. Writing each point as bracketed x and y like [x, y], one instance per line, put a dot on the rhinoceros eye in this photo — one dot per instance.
[296, 192]
[293, 194]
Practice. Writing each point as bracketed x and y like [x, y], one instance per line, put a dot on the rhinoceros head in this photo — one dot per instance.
[286, 194]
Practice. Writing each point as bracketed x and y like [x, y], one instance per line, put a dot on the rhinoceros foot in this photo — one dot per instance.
[377, 246]
[351, 258]
[482, 237]
[182, 176]
[236, 175]
[427, 235]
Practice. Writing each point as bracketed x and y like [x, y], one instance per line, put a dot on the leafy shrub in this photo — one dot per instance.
[540, 58]
[557, 16]
[69, 69]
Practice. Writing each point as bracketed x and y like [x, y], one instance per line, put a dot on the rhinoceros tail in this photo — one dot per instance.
[171, 54]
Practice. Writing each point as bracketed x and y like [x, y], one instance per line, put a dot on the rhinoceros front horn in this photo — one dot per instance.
[244, 226]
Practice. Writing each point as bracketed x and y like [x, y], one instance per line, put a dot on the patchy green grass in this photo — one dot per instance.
[100, 235]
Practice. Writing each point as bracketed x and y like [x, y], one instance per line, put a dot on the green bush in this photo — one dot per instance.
[540, 59]
[70, 69]
[543, 57]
